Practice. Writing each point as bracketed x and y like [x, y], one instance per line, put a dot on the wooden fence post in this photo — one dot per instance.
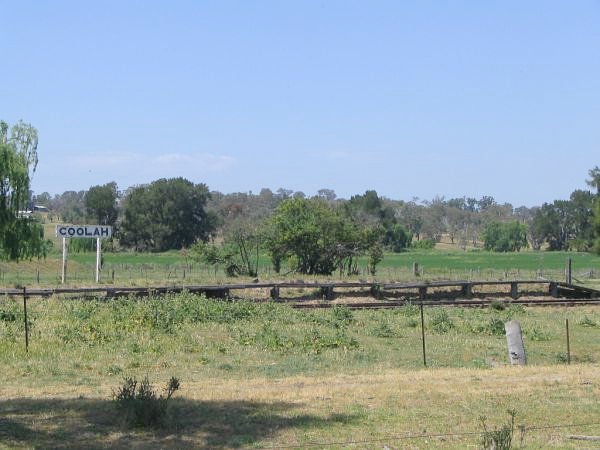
[423, 335]
[568, 343]
[25, 319]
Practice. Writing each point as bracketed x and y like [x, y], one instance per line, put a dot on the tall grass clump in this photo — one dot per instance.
[498, 439]
[139, 404]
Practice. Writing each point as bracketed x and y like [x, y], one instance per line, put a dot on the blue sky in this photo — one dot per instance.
[412, 99]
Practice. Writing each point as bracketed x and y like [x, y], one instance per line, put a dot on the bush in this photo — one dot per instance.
[441, 322]
[495, 327]
[500, 439]
[423, 244]
[382, 330]
[139, 404]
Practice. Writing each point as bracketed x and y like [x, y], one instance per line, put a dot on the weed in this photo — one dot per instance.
[382, 329]
[515, 310]
[315, 342]
[441, 322]
[562, 358]
[538, 335]
[494, 327]
[412, 323]
[480, 364]
[587, 322]
[499, 439]
[342, 316]
[114, 370]
[139, 403]
[498, 305]
[410, 310]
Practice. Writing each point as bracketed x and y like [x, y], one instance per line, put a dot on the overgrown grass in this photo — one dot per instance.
[244, 339]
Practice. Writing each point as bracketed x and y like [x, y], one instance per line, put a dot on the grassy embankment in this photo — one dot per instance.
[264, 375]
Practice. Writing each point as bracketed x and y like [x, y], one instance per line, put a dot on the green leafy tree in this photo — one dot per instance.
[315, 237]
[101, 203]
[397, 238]
[166, 214]
[21, 236]
[594, 180]
[566, 224]
[238, 255]
[596, 247]
[505, 236]
[70, 206]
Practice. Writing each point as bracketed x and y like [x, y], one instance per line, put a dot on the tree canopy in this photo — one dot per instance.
[165, 214]
[21, 236]
[315, 237]
[505, 236]
[101, 203]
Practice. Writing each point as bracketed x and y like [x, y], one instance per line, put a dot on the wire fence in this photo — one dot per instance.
[407, 435]
[188, 273]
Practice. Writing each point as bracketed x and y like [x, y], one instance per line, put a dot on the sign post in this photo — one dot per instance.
[98, 260]
[64, 261]
[82, 231]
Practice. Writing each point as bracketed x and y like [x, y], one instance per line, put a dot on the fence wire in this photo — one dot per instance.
[409, 435]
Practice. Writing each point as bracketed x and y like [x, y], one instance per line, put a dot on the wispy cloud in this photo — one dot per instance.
[198, 161]
[107, 159]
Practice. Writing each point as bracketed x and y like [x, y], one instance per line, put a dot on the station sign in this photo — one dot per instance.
[83, 231]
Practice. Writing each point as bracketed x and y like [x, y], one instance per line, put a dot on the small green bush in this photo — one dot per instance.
[423, 244]
[493, 327]
[498, 305]
[315, 342]
[382, 330]
[342, 316]
[587, 322]
[536, 334]
[441, 322]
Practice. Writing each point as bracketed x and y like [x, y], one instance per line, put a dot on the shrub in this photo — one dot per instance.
[498, 305]
[139, 404]
[423, 244]
[499, 439]
[587, 322]
[495, 326]
[441, 322]
[382, 330]
[315, 342]
[538, 335]
[342, 316]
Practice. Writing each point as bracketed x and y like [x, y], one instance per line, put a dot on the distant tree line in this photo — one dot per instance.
[318, 234]
[323, 233]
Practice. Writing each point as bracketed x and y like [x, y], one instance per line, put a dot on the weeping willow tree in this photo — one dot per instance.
[21, 236]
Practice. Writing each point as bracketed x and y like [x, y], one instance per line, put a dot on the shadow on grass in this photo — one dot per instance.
[92, 423]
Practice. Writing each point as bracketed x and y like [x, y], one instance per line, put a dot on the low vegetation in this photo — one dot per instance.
[264, 374]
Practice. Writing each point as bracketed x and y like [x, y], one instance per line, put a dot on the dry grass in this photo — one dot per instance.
[372, 410]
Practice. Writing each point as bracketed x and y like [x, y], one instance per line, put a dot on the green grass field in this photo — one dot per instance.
[130, 268]
[268, 376]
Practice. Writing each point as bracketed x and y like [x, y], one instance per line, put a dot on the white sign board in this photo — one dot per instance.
[83, 231]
